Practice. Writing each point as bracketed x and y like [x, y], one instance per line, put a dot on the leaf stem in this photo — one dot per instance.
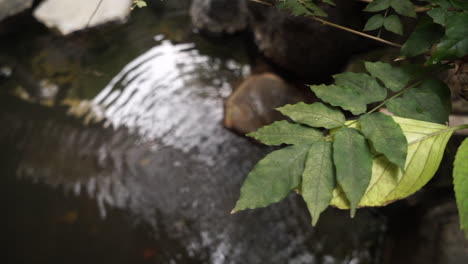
[464, 126]
[380, 29]
[388, 99]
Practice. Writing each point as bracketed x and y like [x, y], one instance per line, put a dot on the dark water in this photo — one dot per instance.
[112, 150]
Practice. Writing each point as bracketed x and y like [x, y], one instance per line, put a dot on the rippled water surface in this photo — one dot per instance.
[112, 150]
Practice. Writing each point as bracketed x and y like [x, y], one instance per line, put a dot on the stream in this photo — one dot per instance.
[112, 150]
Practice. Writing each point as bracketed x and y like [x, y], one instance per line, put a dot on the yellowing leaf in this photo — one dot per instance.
[388, 183]
[460, 182]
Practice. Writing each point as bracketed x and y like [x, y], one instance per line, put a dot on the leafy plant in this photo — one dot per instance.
[374, 158]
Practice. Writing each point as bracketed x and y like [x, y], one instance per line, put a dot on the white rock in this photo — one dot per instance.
[12, 7]
[71, 15]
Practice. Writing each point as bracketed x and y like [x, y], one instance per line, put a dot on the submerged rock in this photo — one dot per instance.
[9, 7]
[219, 16]
[68, 16]
[253, 104]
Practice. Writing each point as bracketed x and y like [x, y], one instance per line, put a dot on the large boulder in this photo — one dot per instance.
[9, 7]
[219, 16]
[68, 16]
[303, 46]
[253, 103]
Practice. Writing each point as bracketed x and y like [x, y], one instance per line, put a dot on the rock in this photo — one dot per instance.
[303, 46]
[253, 104]
[9, 7]
[219, 16]
[428, 235]
[68, 16]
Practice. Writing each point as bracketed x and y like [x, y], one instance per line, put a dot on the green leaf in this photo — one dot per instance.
[460, 182]
[345, 98]
[353, 91]
[393, 78]
[386, 136]
[423, 37]
[302, 7]
[318, 180]
[353, 162]
[375, 22]
[367, 87]
[283, 132]
[377, 5]
[455, 42]
[442, 3]
[439, 15]
[392, 23]
[429, 102]
[315, 115]
[460, 4]
[273, 178]
[403, 7]
[426, 147]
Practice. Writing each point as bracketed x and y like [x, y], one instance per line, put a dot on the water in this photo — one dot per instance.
[112, 150]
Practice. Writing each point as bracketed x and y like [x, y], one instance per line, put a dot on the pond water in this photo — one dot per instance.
[112, 150]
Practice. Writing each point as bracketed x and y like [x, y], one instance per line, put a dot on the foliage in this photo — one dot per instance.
[460, 181]
[372, 159]
[139, 4]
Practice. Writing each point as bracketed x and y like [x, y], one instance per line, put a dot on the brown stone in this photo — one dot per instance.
[253, 103]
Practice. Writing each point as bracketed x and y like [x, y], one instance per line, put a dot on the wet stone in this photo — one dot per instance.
[253, 103]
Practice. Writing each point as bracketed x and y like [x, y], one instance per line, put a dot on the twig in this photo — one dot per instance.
[262, 2]
[94, 13]
[342, 27]
[357, 32]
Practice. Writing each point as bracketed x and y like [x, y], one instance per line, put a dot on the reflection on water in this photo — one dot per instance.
[144, 171]
[165, 94]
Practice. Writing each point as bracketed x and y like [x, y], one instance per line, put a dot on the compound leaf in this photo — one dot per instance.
[315, 115]
[428, 102]
[273, 178]
[375, 22]
[318, 180]
[353, 162]
[283, 132]
[392, 23]
[393, 78]
[386, 136]
[388, 183]
[460, 182]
